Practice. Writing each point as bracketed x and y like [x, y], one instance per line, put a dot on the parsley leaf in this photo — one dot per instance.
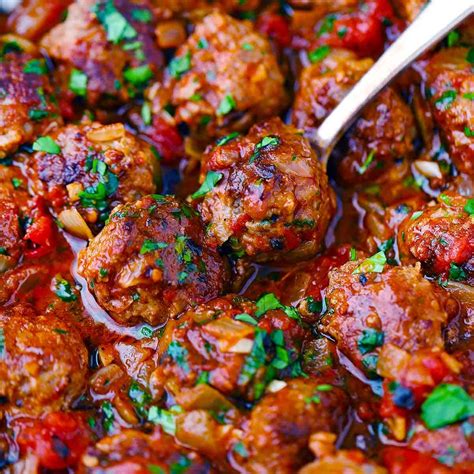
[212, 178]
[47, 145]
[456, 273]
[35, 66]
[78, 83]
[469, 207]
[150, 246]
[445, 405]
[138, 76]
[180, 65]
[266, 303]
[369, 340]
[114, 23]
[319, 54]
[165, 418]
[227, 105]
[373, 264]
[268, 142]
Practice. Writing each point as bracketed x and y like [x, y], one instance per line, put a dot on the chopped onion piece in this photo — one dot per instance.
[75, 224]
[107, 133]
[430, 169]
[244, 346]
[276, 385]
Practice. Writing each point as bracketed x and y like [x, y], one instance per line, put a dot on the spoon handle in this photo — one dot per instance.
[431, 25]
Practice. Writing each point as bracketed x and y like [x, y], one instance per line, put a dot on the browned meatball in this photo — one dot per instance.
[133, 451]
[93, 168]
[272, 200]
[450, 85]
[441, 237]
[27, 104]
[214, 343]
[224, 78]
[10, 234]
[324, 84]
[150, 261]
[382, 137]
[367, 309]
[281, 424]
[44, 361]
[105, 49]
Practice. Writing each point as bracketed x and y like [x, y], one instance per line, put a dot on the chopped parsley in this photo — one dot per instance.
[227, 105]
[2, 343]
[37, 114]
[78, 83]
[470, 56]
[107, 416]
[143, 16]
[35, 66]
[266, 303]
[212, 178]
[367, 162]
[373, 264]
[456, 273]
[469, 207]
[64, 291]
[228, 138]
[246, 318]
[319, 54]
[327, 25]
[416, 215]
[240, 449]
[180, 65]
[115, 24]
[202, 43]
[446, 99]
[138, 76]
[266, 143]
[369, 340]
[139, 397]
[453, 38]
[46, 145]
[179, 354]
[445, 405]
[150, 246]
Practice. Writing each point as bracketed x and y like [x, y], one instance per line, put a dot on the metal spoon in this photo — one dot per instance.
[431, 25]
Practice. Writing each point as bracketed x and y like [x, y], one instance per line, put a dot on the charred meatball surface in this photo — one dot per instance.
[224, 78]
[441, 237]
[44, 361]
[271, 198]
[150, 261]
[92, 168]
[27, 104]
[368, 309]
[105, 48]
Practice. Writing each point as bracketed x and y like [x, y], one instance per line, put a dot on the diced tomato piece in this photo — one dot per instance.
[66, 106]
[166, 138]
[275, 27]
[41, 232]
[238, 225]
[437, 368]
[58, 440]
[408, 461]
[291, 238]
[362, 31]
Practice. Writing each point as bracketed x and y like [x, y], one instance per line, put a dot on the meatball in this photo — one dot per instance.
[10, 234]
[382, 137]
[105, 49]
[271, 198]
[216, 343]
[450, 86]
[27, 103]
[150, 261]
[223, 78]
[133, 452]
[441, 237]
[92, 168]
[324, 84]
[277, 436]
[44, 361]
[367, 309]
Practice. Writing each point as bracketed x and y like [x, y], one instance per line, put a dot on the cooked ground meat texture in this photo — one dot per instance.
[111, 45]
[277, 436]
[441, 237]
[369, 309]
[44, 362]
[212, 343]
[27, 104]
[450, 84]
[224, 78]
[150, 261]
[94, 168]
[409, 9]
[170, 8]
[324, 84]
[272, 199]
